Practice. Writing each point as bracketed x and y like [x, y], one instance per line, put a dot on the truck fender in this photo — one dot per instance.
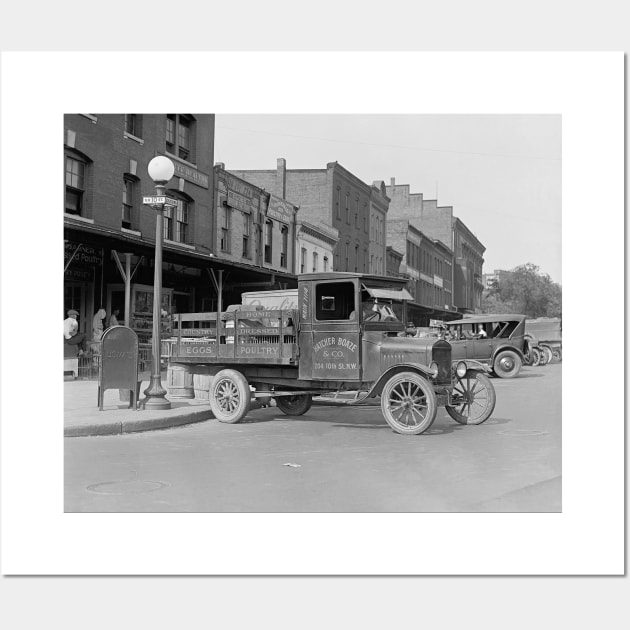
[471, 364]
[419, 368]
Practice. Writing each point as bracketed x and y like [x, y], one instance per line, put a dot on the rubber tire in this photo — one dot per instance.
[491, 399]
[548, 353]
[543, 357]
[503, 373]
[296, 405]
[233, 383]
[535, 357]
[557, 354]
[395, 383]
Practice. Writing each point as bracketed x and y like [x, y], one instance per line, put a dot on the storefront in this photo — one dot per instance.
[83, 270]
[101, 265]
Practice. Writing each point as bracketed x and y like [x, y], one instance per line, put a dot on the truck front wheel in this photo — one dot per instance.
[230, 398]
[408, 403]
[473, 399]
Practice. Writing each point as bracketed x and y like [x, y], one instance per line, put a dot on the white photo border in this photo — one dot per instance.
[38, 538]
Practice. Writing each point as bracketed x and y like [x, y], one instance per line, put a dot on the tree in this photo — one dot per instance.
[524, 290]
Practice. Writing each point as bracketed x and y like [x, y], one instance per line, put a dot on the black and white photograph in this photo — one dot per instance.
[312, 313]
[324, 314]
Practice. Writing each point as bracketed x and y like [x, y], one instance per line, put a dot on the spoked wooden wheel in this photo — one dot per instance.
[230, 398]
[408, 403]
[473, 399]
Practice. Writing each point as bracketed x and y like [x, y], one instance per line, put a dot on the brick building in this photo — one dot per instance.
[427, 263]
[379, 204]
[109, 234]
[253, 226]
[468, 268]
[332, 197]
[440, 224]
[393, 261]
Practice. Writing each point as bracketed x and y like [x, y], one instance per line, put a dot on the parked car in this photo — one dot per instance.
[546, 333]
[497, 341]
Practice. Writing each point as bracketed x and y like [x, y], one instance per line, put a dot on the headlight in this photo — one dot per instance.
[461, 369]
[434, 368]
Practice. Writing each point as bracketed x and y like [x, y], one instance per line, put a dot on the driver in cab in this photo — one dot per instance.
[373, 311]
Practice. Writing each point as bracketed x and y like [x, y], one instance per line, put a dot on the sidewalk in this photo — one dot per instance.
[82, 416]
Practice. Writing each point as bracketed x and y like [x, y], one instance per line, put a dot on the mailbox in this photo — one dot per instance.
[119, 363]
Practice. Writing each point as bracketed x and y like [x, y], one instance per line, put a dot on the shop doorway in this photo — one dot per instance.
[75, 296]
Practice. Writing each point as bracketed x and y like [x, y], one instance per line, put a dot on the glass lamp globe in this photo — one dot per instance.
[161, 169]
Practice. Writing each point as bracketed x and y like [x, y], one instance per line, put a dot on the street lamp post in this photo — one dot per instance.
[161, 170]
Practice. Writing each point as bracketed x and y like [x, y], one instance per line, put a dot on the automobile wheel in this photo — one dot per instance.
[557, 354]
[473, 399]
[408, 403]
[230, 398]
[543, 357]
[294, 405]
[548, 353]
[507, 364]
[535, 357]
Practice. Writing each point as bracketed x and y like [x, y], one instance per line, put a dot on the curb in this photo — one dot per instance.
[136, 426]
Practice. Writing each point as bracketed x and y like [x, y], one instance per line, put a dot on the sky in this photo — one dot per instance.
[501, 173]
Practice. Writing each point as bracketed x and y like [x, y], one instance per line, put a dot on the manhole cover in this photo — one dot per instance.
[126, 487]
[523, 432]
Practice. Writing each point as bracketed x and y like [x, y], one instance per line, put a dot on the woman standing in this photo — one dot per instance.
[97, 324]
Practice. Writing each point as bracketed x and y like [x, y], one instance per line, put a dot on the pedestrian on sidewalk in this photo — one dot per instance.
[97, 324]
[113, 318]
[71, 335]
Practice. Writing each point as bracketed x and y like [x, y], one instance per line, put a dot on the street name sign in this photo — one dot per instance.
[161, 200]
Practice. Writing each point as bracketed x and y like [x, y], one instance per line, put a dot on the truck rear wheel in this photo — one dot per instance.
[230, 398]
[473, 399]
[408, 403]
[294, 405]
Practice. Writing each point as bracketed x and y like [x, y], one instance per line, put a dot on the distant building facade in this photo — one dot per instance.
[440, 224]
[427, 263]
[334, 198]
[253, 226]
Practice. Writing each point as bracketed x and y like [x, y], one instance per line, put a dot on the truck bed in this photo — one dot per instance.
[249, 336]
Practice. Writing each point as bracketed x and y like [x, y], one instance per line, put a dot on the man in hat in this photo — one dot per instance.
[71, 334]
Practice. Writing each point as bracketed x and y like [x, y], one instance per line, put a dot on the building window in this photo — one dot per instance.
[180, 136]
[365, 260]
[347, 208]
[133, 125]
[325, 263]
[225, 229]
[315, 257]
[285, 245]
[347, 257]
[303, 260]
[127, 202]
[268, 240]
[339, 203]
[176, 221]
[246, 234]
[356, 258]
[75, 185]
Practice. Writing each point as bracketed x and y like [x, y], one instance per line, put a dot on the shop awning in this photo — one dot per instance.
[388, 294]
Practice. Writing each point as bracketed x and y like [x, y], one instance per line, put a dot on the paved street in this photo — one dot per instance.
[343, 459]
